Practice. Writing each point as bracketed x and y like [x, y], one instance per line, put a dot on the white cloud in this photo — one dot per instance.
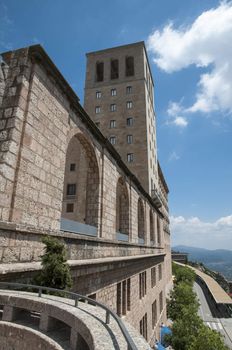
[194, 232]
[207, 42]
[175, 115]
[173, 156]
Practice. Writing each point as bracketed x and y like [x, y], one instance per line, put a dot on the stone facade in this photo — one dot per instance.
[45, 132]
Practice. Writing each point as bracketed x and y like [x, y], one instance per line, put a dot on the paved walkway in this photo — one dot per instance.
[222, 325]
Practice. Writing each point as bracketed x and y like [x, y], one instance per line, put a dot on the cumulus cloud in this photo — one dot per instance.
[175, 114]
[195, 232]
[204, 43]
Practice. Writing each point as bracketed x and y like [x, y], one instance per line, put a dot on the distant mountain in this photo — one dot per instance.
[218, 260]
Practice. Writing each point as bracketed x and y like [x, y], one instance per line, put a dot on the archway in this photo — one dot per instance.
[122, 211]
[80, 210]
[141, 222]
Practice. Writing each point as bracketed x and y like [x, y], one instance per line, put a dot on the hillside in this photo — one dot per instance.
[218, 260]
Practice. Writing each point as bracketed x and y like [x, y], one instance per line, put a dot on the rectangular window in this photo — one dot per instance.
[113, 107]
[128, 90]
[97, 109]
[129, 121]
[129, 139]
[129, 66]
[98, 94]
[113, 124]
[123, 297]
[99, 71]
[112, 140]
[160, 272]
[161, 301]
[153, 277]
[72, 167]
[143, 326]
[119, 299]
[114, 69]
[142, 284]
[113, 92]
[129, 104]
[71, 189]
[69, 208]
[130, 157]
[154, 314]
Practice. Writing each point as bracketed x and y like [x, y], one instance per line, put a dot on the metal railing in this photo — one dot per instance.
[78, 297]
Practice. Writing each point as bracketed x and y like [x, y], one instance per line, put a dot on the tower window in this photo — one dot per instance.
[129, 121]
[69, 208]
[129, 66]
[129, 104]
[71, 189]
[114, 69]
[98, 94]
[97, 109]
[128, 90]
[129, 139]
[99, 71]
[113, 124]
[113, 107]
[130, 157]
[112, 140]
[113, 92]
[72, 167]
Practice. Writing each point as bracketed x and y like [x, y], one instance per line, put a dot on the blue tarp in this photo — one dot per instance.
[164, 331]
[160, 346]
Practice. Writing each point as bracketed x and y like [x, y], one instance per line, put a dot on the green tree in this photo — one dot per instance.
[55, 272]
[184, 274]
[207, 339]
[181, 297]
[185, 329]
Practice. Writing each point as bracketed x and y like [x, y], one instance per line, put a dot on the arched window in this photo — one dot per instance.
[141, 228]
[80, 211]
[122, 211]
[152, 231]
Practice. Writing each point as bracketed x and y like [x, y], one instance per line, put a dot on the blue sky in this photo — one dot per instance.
[189, 45]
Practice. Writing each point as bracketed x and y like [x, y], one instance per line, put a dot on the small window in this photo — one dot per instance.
[113, 92]
[129, 121]
[128, 90]
[69, 208]
[130, 157]
[129, 104]
[114, 69]
[112, 140]
[71, 189]
[97, 109]
[97, 124]
[72, 167]
[129, 139]
[98, 94]
[129, 66]
[113, 107]
[113, 124]
[100, 71]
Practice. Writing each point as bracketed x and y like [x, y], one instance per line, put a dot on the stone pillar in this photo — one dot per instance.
[46, 322]
[9, 313]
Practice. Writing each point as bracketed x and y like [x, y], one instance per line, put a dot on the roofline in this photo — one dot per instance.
[162, 178]
[38, 54]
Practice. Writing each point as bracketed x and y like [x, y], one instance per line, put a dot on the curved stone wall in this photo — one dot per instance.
[18, 337]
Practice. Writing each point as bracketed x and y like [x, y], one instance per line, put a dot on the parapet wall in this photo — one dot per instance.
[18, 337]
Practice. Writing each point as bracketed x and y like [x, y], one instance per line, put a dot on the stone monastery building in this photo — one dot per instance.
[88, 176]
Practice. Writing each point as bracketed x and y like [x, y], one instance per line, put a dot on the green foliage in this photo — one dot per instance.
[181, 297]
[55, 272]
[207, 339]
[188, 330]
[184, 274]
